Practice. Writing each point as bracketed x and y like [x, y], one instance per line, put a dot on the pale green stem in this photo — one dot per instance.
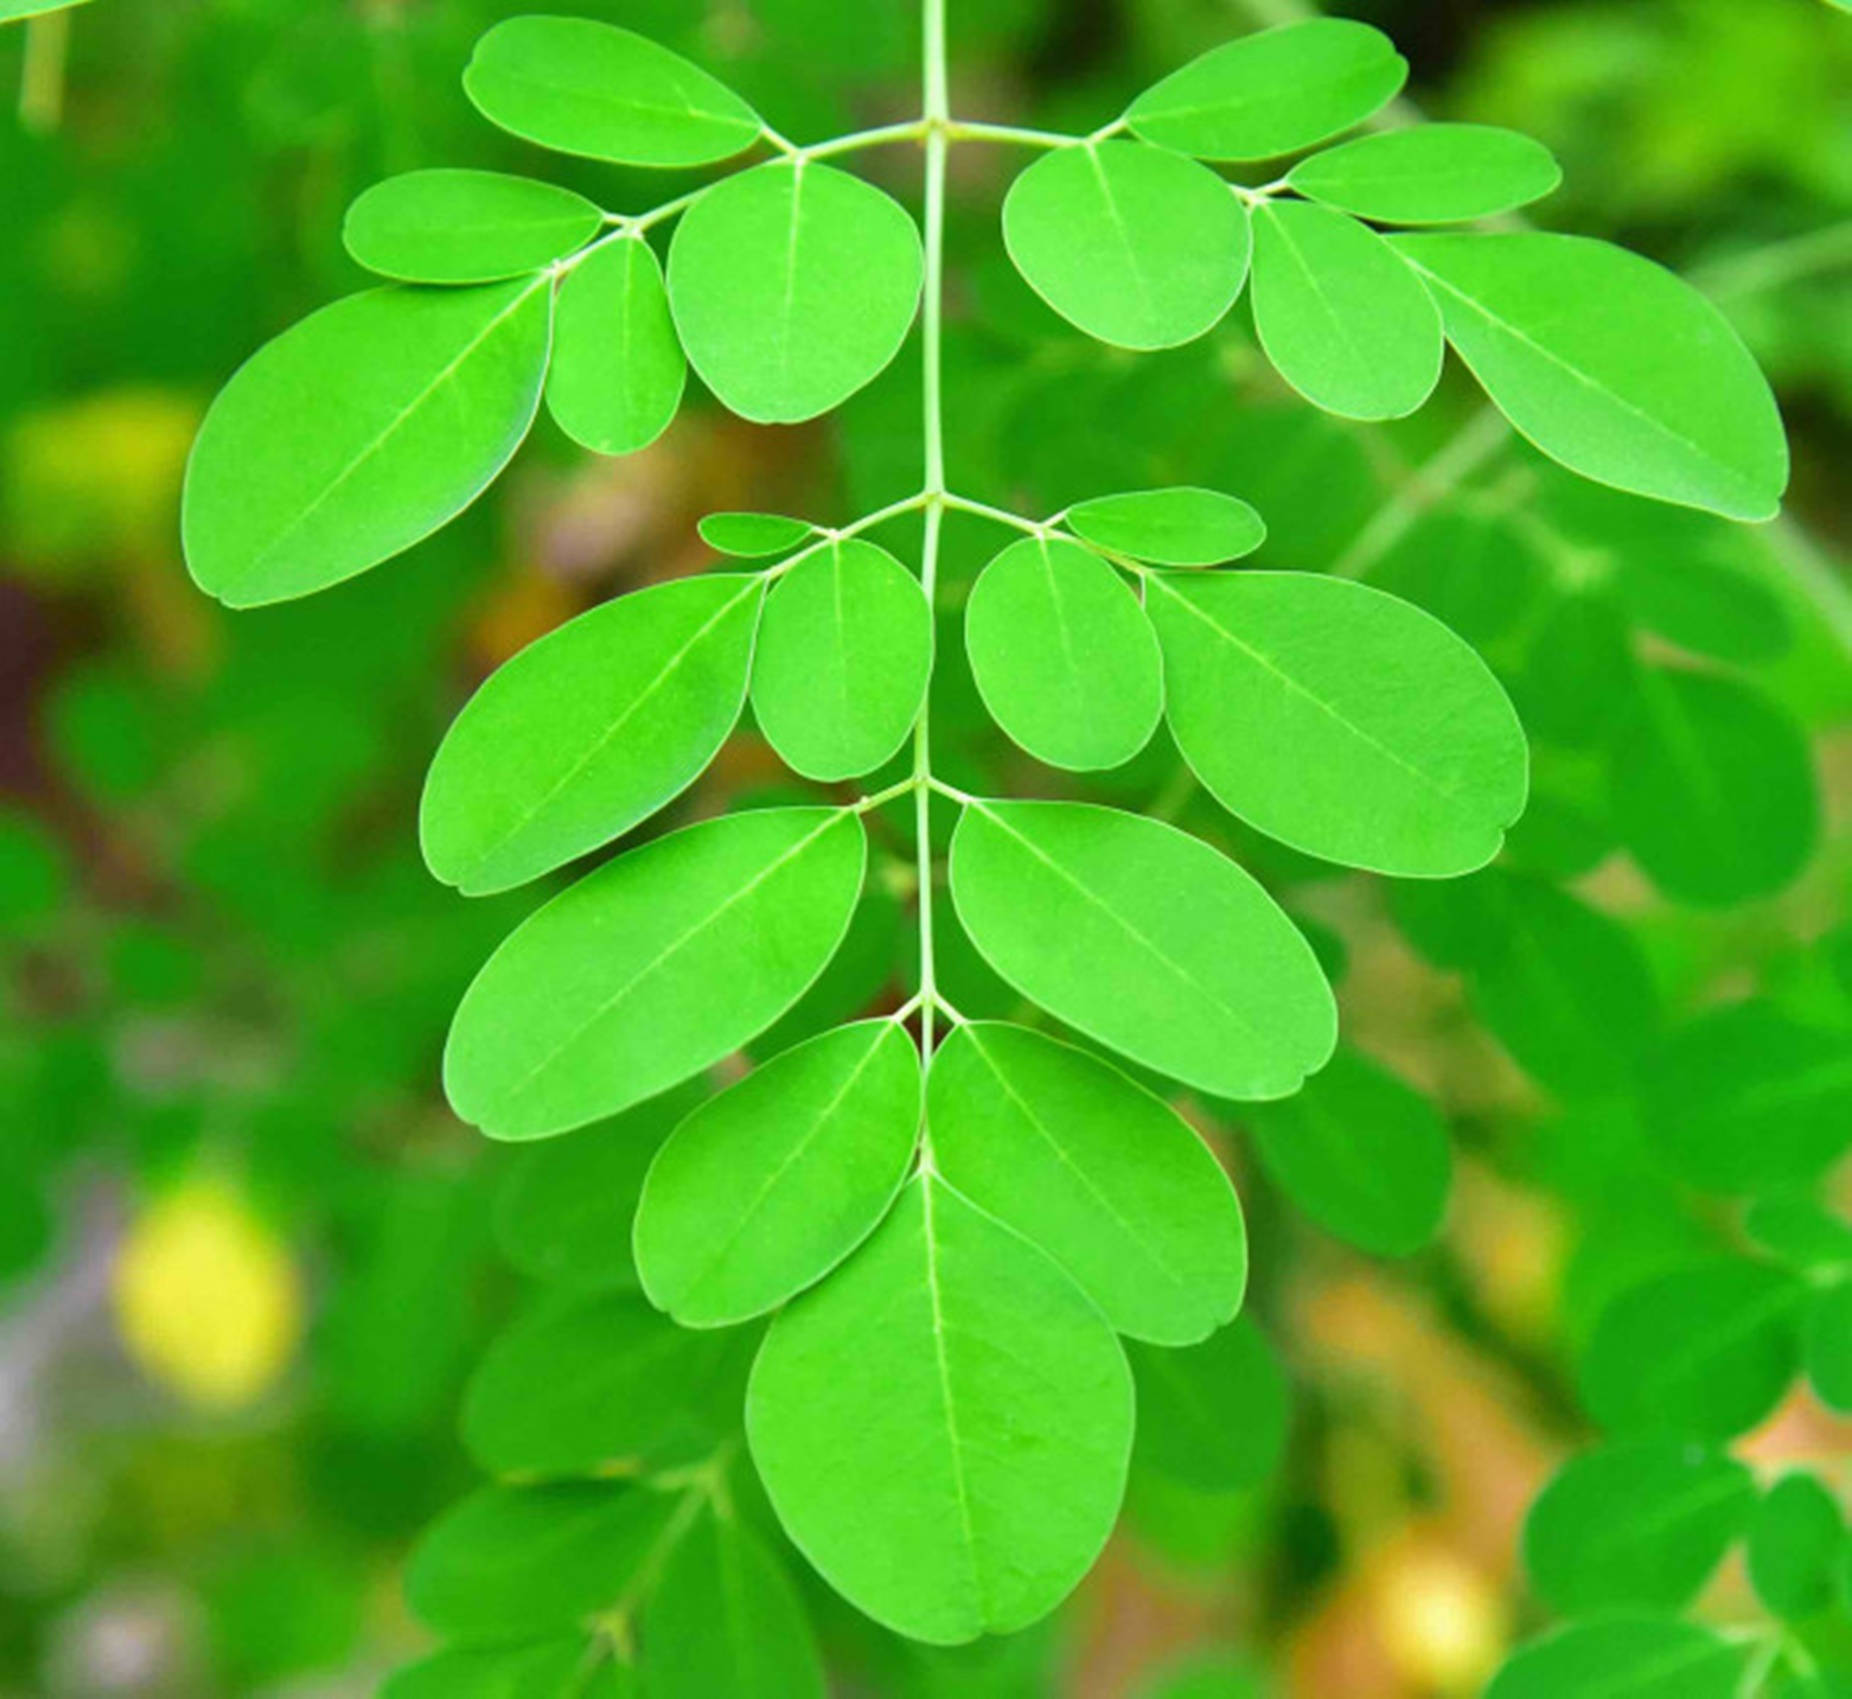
[967, 130]
[937, 119]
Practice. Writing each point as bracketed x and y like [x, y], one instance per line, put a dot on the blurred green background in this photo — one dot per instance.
[246, 1256]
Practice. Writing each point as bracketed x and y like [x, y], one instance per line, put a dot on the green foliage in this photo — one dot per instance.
[618, 370]
[1626, 1657]
[1215, 1416]
[752, 536]
[1795, 1544]
[465, 226]
[1176, 527]
[1431, 174]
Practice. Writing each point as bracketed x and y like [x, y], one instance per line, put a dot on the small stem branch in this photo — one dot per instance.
[969, 130]
[861, 139]
[1000, 515]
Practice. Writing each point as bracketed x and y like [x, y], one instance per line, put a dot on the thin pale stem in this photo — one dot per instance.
[999, 515]
[881, 136]
[969, 130]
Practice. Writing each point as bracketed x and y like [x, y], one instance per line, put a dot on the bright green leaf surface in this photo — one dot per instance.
[844, 654]
[1611, 365]
[465, 226]
[523, 1560]
[1802, 1232]
[1145, 939]
[1829, 1345]
[943, 1426]
[1344, 722]
[1344, 321]
[589, 731]
[1795, 1539]
[1136, 246]
[588, 1385]
[793, 286]
[1627, 1657]
[1175, 527]
[1430, 174]
[618, 370]
[414, 398]
[1706, 1350]
[1637, 1525]
[1364, 1155]
[564, 1212]
[752, 536]
[1104, 1176]
[12, 9]
[652, 968]
[582, 87]
[768, 1186]
[1213, 1416]
[725, 1620]
[1273, 92]
[550, 1670]
[1712, 788]
[1063, 655]
[1743, 1097]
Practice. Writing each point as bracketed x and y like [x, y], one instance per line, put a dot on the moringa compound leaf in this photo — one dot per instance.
[652, 968]
[1364, 1155]
[1173, 527]
[588, 88]
[725, 1619]
[1339, 314]
[448, 226]
[792, 287]
[618, 371]
[1064, 657]
[753, 536]
[1272, 92]
[1340, 720]
[1108, 1179]
[1430, 174]
[951, 1343]
[767, 1187]
[589, 731]
[843, 660]
[414, 400]
[1135, 246]
[1146, 939]
[1638, 1525]
[1611, 365]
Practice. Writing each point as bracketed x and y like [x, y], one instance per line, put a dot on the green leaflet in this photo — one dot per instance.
[600, 1384]
[589, 731]
[549, 1670]
[1628, 1657]
[12, 9]
[418, 399]
[1430, 174]
[652, 968]
[565, 1210]
[793, 286]
[1343, 320]
[1795, 1540]
[1828, 1345]
[1175, 527]
[1146, 939]
[1711, 788]
[1136, 246]
[1104, 1176]
[1742, 1097]
[1801, 1232]
[767, 1187]
[725, 1619]
[588, 88]
[1340, 720]
[1640, 1525]
[512, 1561]
[1063, 655]
[1272, 92]
[1364, 1155]
[1215, 1416]
[844, 656]
[618, 370]
[752, 536]
[1706, 1350]
[465, 226]
[1475, 572]
[954, 1349]
[1611, 365]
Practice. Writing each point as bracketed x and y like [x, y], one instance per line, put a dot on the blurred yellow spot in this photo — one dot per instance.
[1439, 1619]
[207, 1298]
